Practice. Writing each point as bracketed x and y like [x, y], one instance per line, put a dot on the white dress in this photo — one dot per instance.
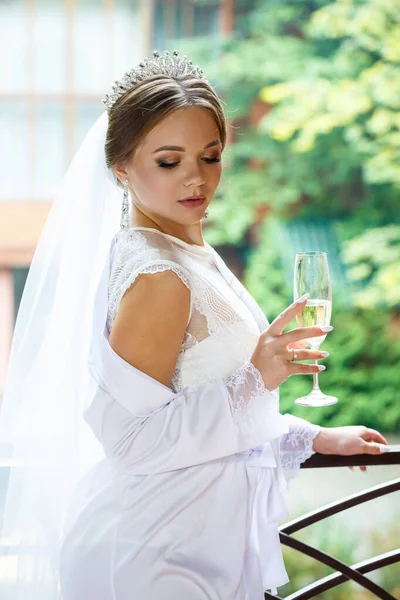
[186, 502]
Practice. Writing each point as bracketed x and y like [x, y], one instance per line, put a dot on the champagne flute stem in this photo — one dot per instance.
[315, 380]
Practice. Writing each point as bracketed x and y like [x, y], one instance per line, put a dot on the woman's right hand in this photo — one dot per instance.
[273, 355]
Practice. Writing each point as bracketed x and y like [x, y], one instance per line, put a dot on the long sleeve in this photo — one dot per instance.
[296, 444]
[194, 426]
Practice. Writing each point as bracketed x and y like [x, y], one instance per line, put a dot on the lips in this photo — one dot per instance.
[192, 198]
[193, 201]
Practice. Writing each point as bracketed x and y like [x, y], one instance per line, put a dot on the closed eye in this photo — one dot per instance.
[166, 165]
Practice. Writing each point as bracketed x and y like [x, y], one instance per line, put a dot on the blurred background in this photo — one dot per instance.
[312, 96]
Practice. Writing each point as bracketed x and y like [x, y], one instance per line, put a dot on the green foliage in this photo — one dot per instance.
[329, 145]
[263, 277]
[374, 258]
[363, 366]
[362, 371]
[327, 74]
[355, 88]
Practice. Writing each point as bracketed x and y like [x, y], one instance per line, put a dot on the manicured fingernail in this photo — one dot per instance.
[325, 354]
[302, 298]
[326, 329]
[321, 367]
[383, 448]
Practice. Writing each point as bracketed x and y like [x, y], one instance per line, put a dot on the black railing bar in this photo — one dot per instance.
[323, 461]
[340, 505]
[335, 564]
[316, 461]
[335, 579]
[378, 562]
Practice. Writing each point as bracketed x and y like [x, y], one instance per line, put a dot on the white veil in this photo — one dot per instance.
[42, 433]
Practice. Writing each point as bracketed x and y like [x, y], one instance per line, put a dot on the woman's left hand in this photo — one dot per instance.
[349, 440]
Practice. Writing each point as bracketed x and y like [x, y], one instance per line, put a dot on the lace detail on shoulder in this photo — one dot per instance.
[135, 257]
[244, 385]
[217, 338]
[296, 446]
[135, 252]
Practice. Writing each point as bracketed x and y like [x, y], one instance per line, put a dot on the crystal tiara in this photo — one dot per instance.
[167, 64]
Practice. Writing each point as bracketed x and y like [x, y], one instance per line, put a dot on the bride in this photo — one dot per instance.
[142, 394]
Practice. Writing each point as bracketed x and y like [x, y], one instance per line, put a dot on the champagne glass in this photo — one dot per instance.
[311, 275]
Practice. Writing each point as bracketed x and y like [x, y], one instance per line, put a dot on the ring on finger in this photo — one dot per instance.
[295, 357]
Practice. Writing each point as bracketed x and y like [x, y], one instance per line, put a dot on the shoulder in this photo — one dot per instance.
[149, 261]
[150, 323]
[139, 251]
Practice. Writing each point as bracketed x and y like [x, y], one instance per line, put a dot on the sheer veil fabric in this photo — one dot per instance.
[43, 437]
[48, 443]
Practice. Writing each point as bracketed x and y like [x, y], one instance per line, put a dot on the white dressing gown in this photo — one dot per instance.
[186, 502]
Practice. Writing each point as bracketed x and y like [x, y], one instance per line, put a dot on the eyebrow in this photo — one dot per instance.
[181, 149]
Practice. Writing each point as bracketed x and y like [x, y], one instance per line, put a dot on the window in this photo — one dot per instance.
[176, 19]
[14, 68]
[60, 60]
[14, 150]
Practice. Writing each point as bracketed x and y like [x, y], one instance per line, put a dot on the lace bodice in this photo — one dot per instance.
[183, 462]
[221, 332]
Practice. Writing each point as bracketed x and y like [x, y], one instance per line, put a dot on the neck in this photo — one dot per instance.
[191, 234]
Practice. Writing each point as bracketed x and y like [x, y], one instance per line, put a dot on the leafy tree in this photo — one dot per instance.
[356, 88]
[362, 371]
[374, 258]
[312, 89]
[329, 144]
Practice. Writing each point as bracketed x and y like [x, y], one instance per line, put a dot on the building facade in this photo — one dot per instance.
[62, 56]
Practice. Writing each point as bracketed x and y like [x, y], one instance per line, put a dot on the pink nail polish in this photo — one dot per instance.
[302, 298]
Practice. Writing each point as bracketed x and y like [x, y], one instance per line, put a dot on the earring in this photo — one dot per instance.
[206, 213]
[125, 206]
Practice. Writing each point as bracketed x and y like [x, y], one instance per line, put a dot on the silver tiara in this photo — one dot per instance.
[168, 64]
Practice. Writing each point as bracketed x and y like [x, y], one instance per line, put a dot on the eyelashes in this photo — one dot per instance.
[166, 165]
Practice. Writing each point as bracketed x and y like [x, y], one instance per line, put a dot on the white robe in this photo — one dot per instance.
[186, 502]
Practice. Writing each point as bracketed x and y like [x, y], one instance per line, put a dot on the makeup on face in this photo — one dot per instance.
[192, 203]
[177, 166]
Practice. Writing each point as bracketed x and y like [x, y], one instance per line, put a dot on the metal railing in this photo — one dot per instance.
[342, 572]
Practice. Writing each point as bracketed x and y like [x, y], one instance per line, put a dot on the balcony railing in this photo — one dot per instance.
[342, 572]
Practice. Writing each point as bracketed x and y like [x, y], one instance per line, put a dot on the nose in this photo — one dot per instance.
[195, 179]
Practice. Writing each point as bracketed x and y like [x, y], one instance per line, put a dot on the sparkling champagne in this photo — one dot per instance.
[311, 276]
[316, 313]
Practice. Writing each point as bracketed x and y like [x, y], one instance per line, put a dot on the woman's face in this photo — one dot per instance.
[179, 157]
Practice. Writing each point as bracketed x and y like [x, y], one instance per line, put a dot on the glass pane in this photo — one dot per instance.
[129, 41]
[158, 26]
[86, 116]
[179, 20]
[19, 275]
[92, 33]
[14, 151]
[107, 44]
[50, 29]
[49, 149]
[170, 11]
[14, 49]
[206, 20]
